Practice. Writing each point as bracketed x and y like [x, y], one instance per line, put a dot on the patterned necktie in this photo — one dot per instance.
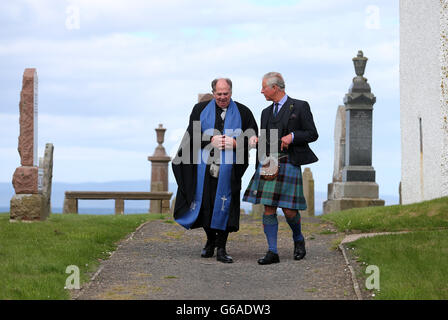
[275, 109]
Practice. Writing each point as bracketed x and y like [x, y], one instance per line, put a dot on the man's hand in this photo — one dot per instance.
[286, 141]
[223, 142]
[229, 143]
[253, 141]
[217, 141]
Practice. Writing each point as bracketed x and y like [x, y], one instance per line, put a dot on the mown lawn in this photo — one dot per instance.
[427, 215]
[34, 256]
[412, 265]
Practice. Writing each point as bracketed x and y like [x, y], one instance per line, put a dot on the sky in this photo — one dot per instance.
[111, 71]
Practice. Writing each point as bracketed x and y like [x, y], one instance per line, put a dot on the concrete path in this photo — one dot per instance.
[162, 261]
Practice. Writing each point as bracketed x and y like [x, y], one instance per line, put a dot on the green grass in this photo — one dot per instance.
[427, 215]
[34, 256]
[412, 265]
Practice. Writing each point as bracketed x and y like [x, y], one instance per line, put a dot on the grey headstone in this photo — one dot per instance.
[308, 191]
[339, 144]
[359, 103]
[48, 169]
[354, 186]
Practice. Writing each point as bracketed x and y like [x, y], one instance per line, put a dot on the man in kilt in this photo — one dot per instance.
[288, 127]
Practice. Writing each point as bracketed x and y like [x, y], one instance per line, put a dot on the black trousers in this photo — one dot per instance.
[216, 237]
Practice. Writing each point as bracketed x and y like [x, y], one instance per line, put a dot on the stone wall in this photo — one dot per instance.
[423, 100]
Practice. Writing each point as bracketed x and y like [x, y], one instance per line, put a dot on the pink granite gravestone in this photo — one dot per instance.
[25, 178]
[28, 203]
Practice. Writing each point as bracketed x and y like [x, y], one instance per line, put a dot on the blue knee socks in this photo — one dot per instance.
[270, 226]
[296, 227]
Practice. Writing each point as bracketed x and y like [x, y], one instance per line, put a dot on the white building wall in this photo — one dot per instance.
[422, 177]
[444, 93]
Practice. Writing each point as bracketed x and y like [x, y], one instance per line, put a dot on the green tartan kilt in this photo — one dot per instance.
[285, 191]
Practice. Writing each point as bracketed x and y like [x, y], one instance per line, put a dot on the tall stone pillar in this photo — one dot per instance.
[159, 173]
[28, 203]
[358, 187]
[47, 176]
[308, 191]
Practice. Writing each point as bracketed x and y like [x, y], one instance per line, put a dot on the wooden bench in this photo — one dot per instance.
[72, 197]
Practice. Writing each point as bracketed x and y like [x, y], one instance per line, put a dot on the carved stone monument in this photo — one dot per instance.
[159, 173]
[357, 187]
[257, 210]
[204, 97]
[47, 166]
[29, 203]
[308, 191]
[339, 144]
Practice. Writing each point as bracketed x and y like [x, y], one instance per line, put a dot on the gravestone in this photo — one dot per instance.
[25, 178]
[339, 144]
[308, 191]
[204, 97]
[159, 173]
[46, 176]
[257, 210]
[357, 187]
[29, 202]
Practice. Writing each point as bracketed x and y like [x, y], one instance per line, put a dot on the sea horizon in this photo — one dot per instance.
[93, 211]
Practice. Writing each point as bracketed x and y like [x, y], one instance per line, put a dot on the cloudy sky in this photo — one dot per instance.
[111, 71]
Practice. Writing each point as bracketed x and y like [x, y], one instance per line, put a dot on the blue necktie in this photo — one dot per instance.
[275, 109]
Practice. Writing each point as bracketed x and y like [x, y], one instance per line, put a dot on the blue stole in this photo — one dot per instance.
[221, 208]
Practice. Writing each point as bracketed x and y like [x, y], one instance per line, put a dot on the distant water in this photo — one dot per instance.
[97, 211]
[104, 211]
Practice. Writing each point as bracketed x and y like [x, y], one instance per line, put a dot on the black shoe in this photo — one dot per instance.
[269, 258]
[299, 250]
[208, 251]
[221, 255]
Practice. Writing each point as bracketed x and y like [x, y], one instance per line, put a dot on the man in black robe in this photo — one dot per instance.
[209, 166]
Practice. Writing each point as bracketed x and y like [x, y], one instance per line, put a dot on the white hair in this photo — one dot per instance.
[274, 78]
